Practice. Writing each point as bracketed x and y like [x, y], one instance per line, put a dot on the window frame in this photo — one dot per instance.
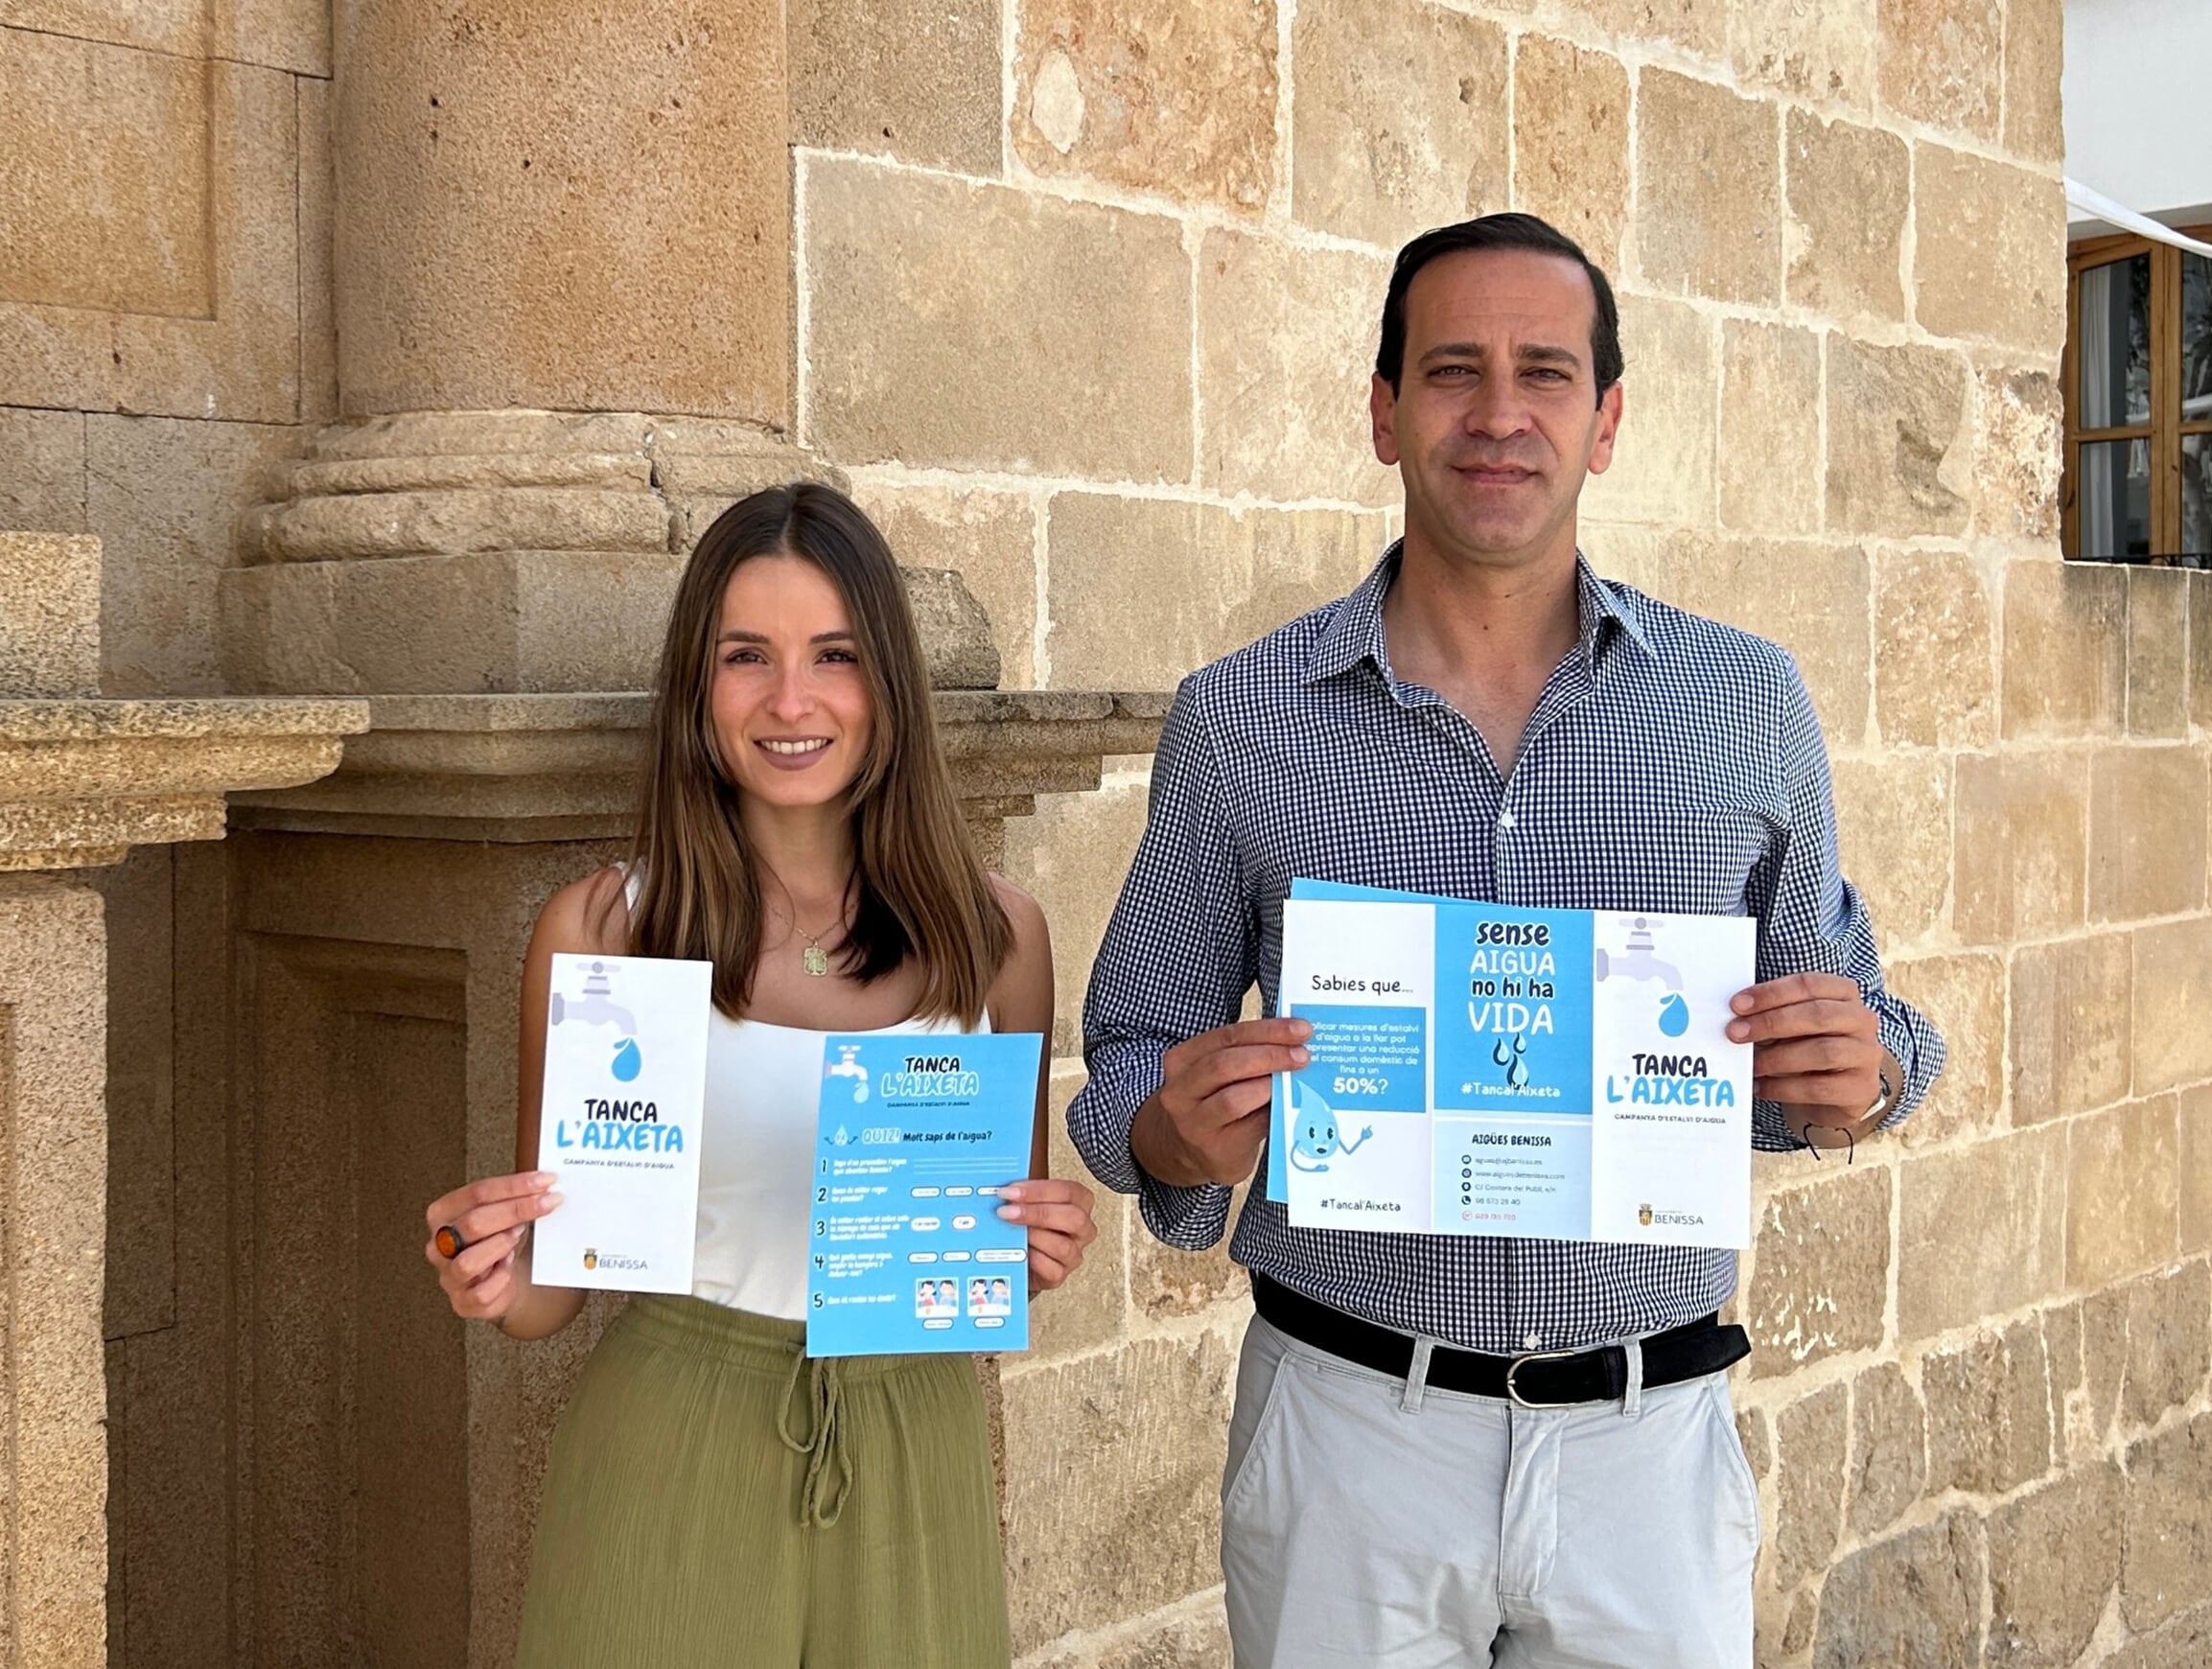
[2166, 427]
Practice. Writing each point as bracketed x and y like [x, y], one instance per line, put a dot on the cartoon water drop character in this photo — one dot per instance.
[1674, 1015]
[1315, 1138]
[628, 1062]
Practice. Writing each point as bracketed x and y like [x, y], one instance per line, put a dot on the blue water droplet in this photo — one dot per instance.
[1674, 1015]
[1499, 1054]
[1517, 1074]
[628, 1062]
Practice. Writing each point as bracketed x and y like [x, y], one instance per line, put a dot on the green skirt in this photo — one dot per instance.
[717, 1498]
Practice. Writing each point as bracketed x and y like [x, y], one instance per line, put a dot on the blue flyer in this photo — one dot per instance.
[1497, 1068]
[907, 1253]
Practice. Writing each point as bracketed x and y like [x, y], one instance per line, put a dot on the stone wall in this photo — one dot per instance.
[1081, 298]
[1108, 358]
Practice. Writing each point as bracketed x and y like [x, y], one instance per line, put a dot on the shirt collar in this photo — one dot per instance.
[1355, 632]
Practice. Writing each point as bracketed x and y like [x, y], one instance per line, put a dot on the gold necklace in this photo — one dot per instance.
[814, 959]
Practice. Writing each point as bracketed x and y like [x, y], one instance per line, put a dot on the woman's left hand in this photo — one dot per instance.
[1057, 1214]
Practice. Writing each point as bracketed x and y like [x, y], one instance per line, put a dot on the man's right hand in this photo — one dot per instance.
[1209, 1117]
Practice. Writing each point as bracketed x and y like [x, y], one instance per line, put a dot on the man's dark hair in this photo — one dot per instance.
[1498, 232]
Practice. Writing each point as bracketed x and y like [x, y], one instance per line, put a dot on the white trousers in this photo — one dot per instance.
[1374, 1522]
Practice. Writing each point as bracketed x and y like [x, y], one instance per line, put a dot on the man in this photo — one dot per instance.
[1465, 1450]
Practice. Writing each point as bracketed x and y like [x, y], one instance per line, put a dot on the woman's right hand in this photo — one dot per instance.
[492, 1216]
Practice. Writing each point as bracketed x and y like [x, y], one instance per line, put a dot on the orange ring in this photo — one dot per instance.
[448, 1240]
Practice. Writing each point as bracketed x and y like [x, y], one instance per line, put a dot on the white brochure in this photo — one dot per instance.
[1492, 1069]
[621, 1122]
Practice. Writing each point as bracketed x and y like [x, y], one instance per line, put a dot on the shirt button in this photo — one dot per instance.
[1506, 819]
[1533, 1342]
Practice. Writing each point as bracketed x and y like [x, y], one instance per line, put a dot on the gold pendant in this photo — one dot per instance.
[816, 959]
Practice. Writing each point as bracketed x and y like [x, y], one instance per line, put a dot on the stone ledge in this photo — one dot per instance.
[84, 782]
[524, 768]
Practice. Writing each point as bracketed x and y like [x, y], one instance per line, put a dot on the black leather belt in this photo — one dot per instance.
[1536, 1379]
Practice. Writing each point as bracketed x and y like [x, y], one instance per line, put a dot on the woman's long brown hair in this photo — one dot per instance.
[922, 894]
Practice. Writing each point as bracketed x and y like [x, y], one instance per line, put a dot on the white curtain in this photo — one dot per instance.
[2093, 509]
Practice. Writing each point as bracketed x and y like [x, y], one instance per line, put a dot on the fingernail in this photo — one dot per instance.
[1012, 1190]
[1737, 1030]
[1305, 1028]
[540, 1179]
[1300, 1058]
[1010, 1213]
[1740, 1002]
[550, 1201]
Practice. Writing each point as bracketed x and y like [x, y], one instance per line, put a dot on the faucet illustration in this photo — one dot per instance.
[596, 1007]
[847, 1065]
[1639, 964]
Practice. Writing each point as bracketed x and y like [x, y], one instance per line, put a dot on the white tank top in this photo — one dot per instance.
[757, 1159]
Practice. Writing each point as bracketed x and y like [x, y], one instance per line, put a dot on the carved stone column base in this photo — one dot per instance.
[509, 551]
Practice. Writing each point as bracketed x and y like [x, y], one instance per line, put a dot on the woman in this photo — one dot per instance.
[716, 1497]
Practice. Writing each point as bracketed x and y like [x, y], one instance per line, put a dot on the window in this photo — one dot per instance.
[2138, 382]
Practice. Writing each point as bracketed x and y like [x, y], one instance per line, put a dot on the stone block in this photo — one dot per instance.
[2194, 1117]
[1571, 143]
[1091, 1309]
[1820, 1274]
[1965, 995]
[1399, 122]
[1166, 1285]
[2173, 995]
[284, 35]
[1889, 1465]
[2146, 831]
[104, 203]
[1114, 1469]
[2035, 46]
[2054, 1560]
[1893, 816]
[179, 27]
[1825, 52]
[973, 327]
[1814, 1434]
[315, 214]
[1150, 95]
[988, 538]
[1935, 664]
[1708, 189]
[41, 472]
[1662, 469]
[2019, 833]
[2200, 649]
[49, 615]
[2184, 1642]
[1897, 435]
[1770, 445]
[1692, 24]
[2168, 1524]
[1913, 1602]
[2104, 1359]
[2169, 1342]
[1989, 249]
[954, 629]
[1072, 855]
[2013, 1191]
[1751, 1431]
[629, 250]
[53, 1168]
[917, 81]
[2122, 1196]
[2157, 652]
[1848, 193]
[2071, 1001]
[1944, 64]
[166, 495]
[1141, 591]
[1988, 1405]
[2018, 426]
[1285, 353]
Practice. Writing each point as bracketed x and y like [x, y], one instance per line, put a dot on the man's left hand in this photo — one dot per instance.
[1814, 1048]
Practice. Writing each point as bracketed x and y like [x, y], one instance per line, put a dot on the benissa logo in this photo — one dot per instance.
[592, 1255]
[1643, 1215]
[593, 1261]
[1670, 1219]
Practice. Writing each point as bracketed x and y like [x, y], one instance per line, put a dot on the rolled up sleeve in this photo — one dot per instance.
[1179, 953]
[1812, 919]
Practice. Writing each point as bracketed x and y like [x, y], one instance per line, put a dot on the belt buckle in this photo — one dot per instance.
[1519, 1362]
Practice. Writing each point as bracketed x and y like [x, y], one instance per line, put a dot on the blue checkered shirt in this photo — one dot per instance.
[1671, 763]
